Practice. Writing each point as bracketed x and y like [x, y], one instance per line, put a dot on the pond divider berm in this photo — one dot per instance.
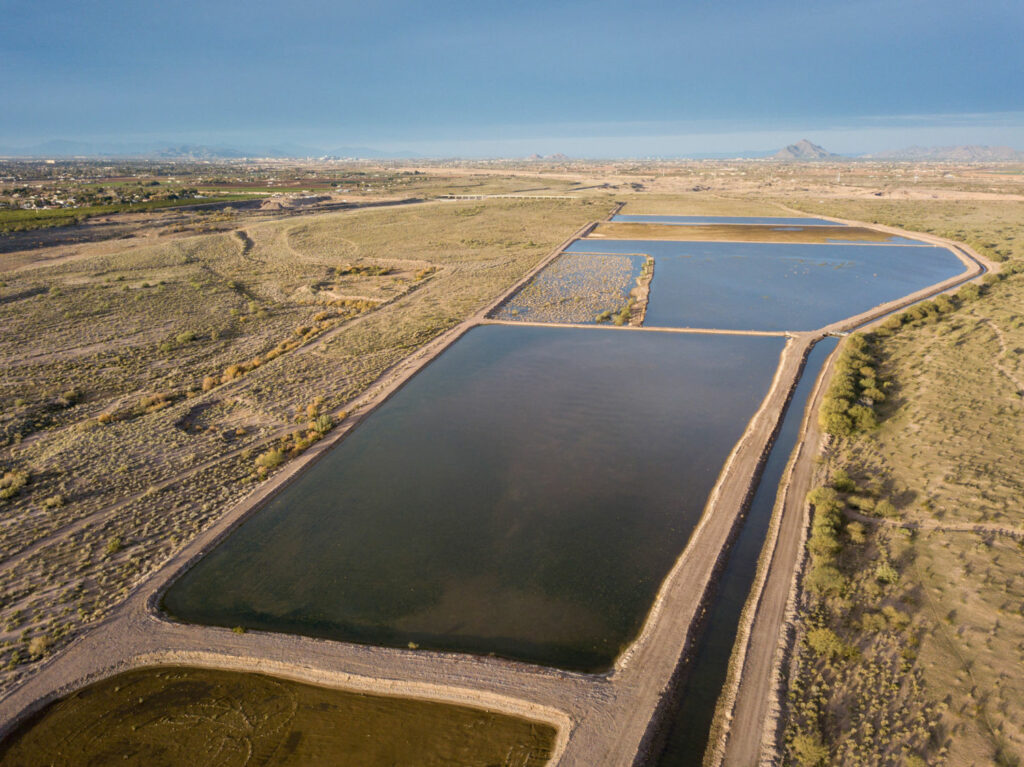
[611, 718]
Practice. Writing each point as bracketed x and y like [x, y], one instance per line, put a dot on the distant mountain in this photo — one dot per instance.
[804, 150]
[194, 152]
[368, 153]
[963, 153]
[58, 148]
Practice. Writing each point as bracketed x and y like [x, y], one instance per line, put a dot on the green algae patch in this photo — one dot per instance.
[179, 716]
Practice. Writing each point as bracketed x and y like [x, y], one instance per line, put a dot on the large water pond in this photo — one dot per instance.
[168, 717]
[776, 286]
[524, 495]
[698, 220]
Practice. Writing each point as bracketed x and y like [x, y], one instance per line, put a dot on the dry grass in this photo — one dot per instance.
[139, 384]
[700, 204]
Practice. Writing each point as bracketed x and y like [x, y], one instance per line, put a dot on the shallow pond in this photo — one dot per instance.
[776, 286]
[167, 717]
[524, 495]
[697, 220]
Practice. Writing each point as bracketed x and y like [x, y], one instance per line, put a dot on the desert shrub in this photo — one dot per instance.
[969, 292]
[231, 373]
[885, 508]
[886, 573]
[843, 482]
[38, 646]
[857, 532]
[809, 750]
[896, 618]
[826, 580]
[12, 482]
[70, 398]
[848, 405]
[270, 459]
[826, 643]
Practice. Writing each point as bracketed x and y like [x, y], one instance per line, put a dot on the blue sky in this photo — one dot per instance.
[487, 78]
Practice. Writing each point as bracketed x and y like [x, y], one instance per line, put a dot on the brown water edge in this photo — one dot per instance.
[179, 715]
[820, 235]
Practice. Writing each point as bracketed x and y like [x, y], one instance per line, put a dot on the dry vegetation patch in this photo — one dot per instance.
[143, 385]
[576, 288]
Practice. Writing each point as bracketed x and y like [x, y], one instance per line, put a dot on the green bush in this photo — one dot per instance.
[826, 643]
[886, 573]
[270, 459]
[809, 750]
[842, 482]
[826, 580]
[848, 405]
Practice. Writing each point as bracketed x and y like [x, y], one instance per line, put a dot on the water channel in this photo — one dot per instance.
[691, 721]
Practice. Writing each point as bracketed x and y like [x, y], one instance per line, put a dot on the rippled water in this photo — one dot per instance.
[524, 495]
[776, 286]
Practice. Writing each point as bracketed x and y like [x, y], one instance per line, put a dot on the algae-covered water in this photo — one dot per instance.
[169, 717]
[524, 495]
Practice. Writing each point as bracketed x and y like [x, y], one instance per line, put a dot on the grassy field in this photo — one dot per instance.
[164, 717]
[146, 388]
[911, 649]
[700, 204]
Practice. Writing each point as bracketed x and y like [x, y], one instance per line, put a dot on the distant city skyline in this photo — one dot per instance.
[594, 79]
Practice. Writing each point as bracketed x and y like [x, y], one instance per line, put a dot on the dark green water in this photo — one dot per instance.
[691, 721]
[173, 716]
[776, 286]
[524, 495]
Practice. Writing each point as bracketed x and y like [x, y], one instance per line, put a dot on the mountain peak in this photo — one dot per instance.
[803, 150]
